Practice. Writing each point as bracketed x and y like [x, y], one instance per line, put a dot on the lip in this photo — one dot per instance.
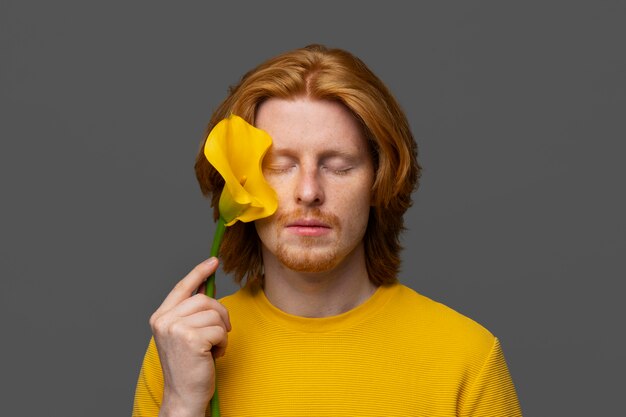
[308, 227]
[308, 223]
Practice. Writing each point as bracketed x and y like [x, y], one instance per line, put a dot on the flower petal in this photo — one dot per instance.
[236, 150]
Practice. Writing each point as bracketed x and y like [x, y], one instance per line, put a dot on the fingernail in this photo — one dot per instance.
[211, 261]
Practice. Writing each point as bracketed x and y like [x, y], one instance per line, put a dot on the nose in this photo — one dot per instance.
[309, 190]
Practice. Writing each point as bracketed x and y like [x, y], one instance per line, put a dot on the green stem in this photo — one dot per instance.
[220, 228]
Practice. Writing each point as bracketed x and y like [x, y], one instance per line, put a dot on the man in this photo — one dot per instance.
[321, 327]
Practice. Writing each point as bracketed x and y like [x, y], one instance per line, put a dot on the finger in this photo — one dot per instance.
[186, 286]
[211, 338]
[202, 288]
[198, 339]
[205, 319]
[201, 303]
[217, 336]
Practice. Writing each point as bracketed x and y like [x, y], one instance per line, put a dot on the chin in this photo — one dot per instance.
[310, 261]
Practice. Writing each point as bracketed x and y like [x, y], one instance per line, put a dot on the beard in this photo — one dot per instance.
[307, 260]
[309, 254]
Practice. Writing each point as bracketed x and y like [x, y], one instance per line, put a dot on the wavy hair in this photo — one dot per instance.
[318, 72]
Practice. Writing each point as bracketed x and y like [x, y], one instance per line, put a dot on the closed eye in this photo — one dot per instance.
[278, 164]
[339, 163]
[337, 170]
[277, 169]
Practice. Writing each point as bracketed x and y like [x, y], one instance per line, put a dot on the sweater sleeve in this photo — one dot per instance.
[492, 393]
[149, 391]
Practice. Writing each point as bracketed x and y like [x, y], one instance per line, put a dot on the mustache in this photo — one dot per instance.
[311, 214]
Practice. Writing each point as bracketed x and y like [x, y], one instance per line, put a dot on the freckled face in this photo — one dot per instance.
[320, 166]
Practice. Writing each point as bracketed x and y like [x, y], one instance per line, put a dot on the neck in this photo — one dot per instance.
[318, 294]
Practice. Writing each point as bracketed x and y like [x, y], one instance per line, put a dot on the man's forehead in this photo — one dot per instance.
[309, 124]
[304, 109]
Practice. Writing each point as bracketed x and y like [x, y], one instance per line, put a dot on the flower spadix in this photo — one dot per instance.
[236, 150]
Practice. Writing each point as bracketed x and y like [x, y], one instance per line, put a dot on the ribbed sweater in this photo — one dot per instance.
[397, 354]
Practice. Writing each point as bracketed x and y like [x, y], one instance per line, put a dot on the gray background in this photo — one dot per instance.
[518, 109]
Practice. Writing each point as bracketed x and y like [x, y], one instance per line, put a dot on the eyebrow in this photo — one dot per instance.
[330, 153]
[349, 157]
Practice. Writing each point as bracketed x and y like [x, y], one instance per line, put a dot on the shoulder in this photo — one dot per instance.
[442, 326]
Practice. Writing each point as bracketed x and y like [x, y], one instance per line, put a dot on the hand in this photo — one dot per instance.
[190, 331]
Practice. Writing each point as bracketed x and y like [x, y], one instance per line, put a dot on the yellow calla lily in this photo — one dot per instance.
[236, 150]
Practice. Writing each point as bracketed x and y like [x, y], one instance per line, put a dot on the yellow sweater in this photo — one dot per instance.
[397, 354]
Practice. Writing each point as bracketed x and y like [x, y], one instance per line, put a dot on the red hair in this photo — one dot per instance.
[326, 74]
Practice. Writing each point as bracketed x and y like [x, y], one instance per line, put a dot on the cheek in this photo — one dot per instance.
[356, 206]
[282, 187]
[263, 229]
